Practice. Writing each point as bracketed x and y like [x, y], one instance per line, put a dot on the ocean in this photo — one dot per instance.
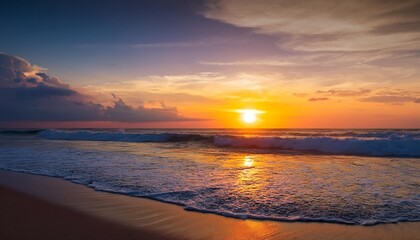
[348, 176]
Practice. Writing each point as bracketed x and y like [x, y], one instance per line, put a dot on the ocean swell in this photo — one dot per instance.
[85, 135]
[223, 175]
[390, 146]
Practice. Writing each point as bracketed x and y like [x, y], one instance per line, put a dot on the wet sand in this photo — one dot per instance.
[39, 207]
[26, 217]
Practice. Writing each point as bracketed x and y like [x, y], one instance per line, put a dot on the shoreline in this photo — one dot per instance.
[148, 217]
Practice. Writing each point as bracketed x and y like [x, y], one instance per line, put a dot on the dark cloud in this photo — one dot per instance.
[12, 69]
[28, 94]
[41, 91]
[318, 99]
[126, 113]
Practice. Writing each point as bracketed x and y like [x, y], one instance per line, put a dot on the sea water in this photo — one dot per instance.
[345, 176]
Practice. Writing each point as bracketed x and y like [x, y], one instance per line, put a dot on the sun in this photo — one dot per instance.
[249, 115]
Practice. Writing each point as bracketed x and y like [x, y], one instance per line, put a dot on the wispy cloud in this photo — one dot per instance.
[330, 43]
[344, 93]
[326, 25]
[318, 99]
[200, 43]
[209, 83]
[385, 95]
[181, 44]
[392, 99]
[407, 59]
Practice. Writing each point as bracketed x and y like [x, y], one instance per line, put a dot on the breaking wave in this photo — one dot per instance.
[21, 132]
[392, 144]
[85, 135]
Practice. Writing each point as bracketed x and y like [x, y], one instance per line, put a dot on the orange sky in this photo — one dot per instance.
[305, 64]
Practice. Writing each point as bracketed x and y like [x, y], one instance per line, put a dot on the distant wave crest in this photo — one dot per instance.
[370, 144]
[85, 135]
[391, 146]
[21, 132]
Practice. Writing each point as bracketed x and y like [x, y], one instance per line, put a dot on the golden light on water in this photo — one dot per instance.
[248, 161]
[250, 177]
[247, 173]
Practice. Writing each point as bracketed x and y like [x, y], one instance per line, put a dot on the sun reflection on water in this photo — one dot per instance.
[249, 177]
[248, 161]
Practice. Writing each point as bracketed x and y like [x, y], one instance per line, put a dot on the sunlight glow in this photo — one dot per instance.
[249, 115]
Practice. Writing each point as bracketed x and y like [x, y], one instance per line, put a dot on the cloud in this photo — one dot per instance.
[391, 99]
[192, 86]
[392, 96]
[201, 43]
[29, 94]
[339, 43]
[399, 27]
[318, 99]
[126, 113]
[329, 59]
[184, 44]
[343, 93]
[300, 94]
[384, 95]
[326, 25]
[326, 94]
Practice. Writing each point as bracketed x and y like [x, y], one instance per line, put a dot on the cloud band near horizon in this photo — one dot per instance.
[30, 94]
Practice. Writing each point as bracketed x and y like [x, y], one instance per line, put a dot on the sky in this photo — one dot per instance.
[123, 64]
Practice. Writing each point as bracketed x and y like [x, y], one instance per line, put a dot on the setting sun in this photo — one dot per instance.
[249, 115]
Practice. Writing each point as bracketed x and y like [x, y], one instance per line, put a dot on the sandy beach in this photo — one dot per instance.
[39, 207]
[27, 217]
